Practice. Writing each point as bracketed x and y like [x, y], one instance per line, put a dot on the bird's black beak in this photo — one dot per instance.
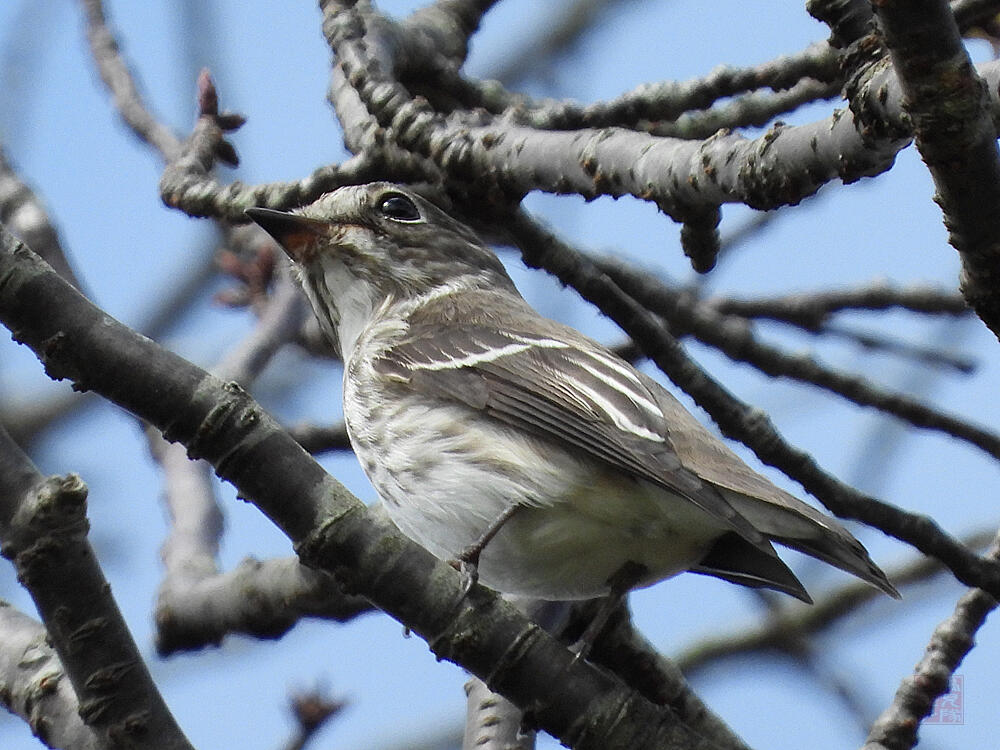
[297, 235]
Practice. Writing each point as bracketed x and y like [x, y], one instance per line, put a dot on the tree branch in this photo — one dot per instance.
[43, 528]
[952, 113]
[812, 309]
[781, 167]
[33, 685]
[952, 640]
[118, 78]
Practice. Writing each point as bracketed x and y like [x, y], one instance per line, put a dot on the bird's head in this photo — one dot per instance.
[364, 246]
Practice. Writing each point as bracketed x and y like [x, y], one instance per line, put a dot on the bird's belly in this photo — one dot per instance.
[572, 548]
[445, 478]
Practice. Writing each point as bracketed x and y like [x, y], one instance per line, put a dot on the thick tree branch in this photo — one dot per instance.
[954, 128]
[781, 167]
[264, 599]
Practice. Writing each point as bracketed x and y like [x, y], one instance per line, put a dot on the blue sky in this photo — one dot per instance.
[271, 63]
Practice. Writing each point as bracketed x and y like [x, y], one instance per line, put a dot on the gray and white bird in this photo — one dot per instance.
[498, 437]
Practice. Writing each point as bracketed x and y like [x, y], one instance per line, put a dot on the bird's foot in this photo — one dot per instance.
[585, 643]
[467, 563]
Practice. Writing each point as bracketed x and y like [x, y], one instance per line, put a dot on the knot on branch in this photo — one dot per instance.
[47, 525]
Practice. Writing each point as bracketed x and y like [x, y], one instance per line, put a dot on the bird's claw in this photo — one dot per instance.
[469, 570]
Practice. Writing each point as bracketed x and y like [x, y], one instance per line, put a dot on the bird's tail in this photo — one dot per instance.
[807, 530]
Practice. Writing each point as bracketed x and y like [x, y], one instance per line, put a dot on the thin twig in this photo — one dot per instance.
[118, 77]
[812, 309]
[952, 640]
[904, 349]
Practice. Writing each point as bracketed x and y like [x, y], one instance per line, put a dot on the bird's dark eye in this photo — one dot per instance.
[398, 207]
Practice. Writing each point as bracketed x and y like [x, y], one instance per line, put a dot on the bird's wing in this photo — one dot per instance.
[560, 387]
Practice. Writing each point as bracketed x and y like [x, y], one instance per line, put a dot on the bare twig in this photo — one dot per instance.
[806, 76]
[896, 728]
[312, 710]
[907, 350]
[813, 309]
[749, 110]
[187, 182]
[120, 81]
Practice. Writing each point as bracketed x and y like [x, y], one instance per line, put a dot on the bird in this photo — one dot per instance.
[515, 445]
